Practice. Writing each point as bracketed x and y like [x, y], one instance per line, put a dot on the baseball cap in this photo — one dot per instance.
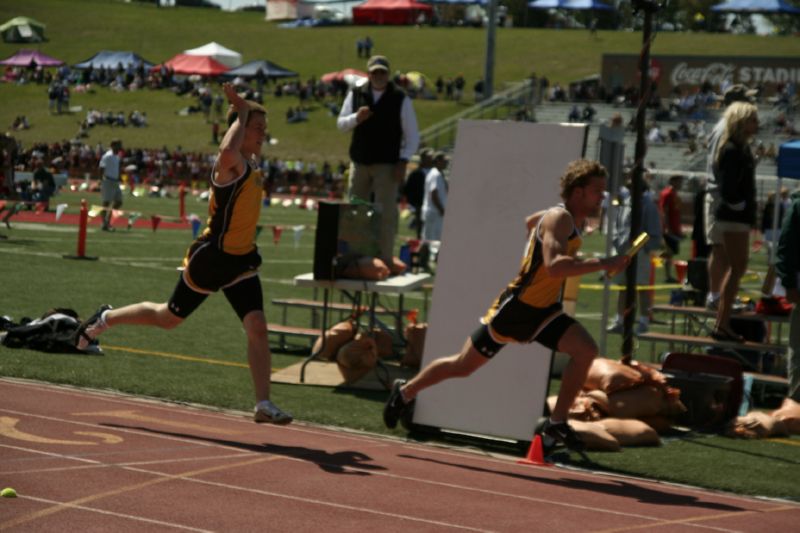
[378, 63]
[739, 93]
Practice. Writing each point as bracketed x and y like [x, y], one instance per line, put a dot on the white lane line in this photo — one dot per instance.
[189, 478]
[115, 514]
[375, 440]
[353, 469]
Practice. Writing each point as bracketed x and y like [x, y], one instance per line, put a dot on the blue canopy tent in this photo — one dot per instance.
[587, 5]
[547, 4]
[756, 6]
[112, 59]
[267, 68]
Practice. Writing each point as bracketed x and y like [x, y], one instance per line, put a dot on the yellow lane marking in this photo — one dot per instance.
[107, 438]
[8, 429]
[693, 519]
[135, 487]
[136, 417]
[176, 356]
[792, 442]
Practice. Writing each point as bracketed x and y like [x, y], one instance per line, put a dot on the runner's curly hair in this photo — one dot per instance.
[578, 174]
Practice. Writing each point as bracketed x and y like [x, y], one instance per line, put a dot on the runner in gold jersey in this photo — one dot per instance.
[224, 257]
[529, 309]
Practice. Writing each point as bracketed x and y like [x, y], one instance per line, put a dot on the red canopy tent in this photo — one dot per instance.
[203, 65]
[390, 12]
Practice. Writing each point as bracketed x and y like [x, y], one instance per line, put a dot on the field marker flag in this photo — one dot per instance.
[298, 233]
[155, 220]
[196, 223]
[132, 218]
[276, 234]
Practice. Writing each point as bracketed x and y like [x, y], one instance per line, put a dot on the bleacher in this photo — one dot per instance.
[668, 156]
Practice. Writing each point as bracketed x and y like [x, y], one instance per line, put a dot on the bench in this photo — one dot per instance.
[282, 331]
[698, 320]
[316, 305]
[688, 343]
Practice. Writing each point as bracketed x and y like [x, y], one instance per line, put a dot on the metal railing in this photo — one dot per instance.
[514, 103]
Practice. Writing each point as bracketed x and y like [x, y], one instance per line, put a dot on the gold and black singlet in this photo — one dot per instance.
[233, 211]
[532, 285]
[226, 252]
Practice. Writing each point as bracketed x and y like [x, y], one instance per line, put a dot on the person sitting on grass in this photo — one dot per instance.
[224, 257]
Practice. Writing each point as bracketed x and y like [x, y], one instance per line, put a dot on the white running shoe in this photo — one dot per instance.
[267, 412]
[89, 330]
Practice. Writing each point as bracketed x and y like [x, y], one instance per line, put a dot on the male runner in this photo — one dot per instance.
[224, 257]
[529, 309]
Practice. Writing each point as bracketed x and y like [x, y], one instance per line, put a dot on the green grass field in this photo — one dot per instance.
[204, 360]
[77, 29]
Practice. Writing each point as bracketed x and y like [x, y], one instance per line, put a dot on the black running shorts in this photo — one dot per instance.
[209, 269]
[520, 323]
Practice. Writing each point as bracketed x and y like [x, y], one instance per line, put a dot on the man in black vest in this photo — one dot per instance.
[385, 136]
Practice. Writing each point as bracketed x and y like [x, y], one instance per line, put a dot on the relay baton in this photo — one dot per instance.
[637, 245]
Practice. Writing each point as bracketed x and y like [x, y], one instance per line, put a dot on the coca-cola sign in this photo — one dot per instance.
[714, 73]
[622, 70]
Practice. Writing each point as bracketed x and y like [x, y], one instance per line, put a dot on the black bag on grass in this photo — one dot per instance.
[54, 332]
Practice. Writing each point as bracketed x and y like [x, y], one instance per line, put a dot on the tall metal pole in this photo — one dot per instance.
[491, 26]
[648, 8]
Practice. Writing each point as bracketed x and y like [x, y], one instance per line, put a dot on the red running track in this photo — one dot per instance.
[91, 461]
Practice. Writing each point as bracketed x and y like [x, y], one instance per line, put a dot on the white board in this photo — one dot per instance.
[501, 172]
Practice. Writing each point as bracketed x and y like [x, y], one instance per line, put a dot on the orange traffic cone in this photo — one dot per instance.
[535, 454]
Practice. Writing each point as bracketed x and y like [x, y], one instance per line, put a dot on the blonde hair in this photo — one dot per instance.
[578, 174]
[736, 116]
[253, 107]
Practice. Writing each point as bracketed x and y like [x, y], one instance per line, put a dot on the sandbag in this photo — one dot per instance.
[673, 406]
[789, 415]
[356, 358]
[335, 337]
[631, 432]
[600, 400]
[588, 406]
[651, 376]
[611, 376]
[660, 423]
[595, 436]
[384, 342]
[756, 425]
[368, 268]
[415, 342]
[645, 400]
[397, 267]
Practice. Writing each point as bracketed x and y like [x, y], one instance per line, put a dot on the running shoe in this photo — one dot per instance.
[90, 329]
[267, 412]
[395, 407]
[563, 433]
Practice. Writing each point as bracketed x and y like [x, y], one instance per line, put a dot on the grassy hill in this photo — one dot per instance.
[76, 29]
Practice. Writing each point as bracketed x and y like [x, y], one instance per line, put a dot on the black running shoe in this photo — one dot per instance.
[395, 406]
[89, 330]
[564, 434]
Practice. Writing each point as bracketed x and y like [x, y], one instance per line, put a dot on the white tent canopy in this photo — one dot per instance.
[226, 56]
